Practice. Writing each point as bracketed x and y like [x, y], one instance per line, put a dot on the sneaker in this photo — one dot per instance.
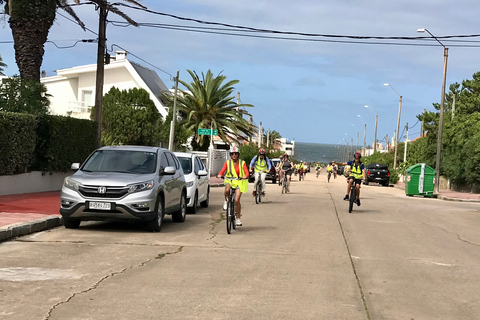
[254, 193]
[239, 222]
[263, 193]
[346, 198]
[225, 205]
[358, 202]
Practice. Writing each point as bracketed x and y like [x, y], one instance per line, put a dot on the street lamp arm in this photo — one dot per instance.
[425, 29]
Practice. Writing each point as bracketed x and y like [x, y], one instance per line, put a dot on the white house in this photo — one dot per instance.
[72, 90]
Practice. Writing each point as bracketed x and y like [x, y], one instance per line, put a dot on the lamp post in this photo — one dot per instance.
[398, 124]
[364, 136]
[174, 115]
[442, 103]
[376, 122]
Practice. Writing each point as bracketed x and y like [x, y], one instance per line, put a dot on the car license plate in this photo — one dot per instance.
[100, 205]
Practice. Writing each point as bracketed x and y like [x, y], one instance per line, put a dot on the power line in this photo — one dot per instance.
[130, 53]
[291, 32]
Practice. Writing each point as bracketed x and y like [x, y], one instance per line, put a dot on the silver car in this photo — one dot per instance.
[198, 182]
[125, 183]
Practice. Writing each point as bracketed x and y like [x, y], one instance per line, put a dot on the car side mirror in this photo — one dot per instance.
[168, 171]
[75, 166]
[202, 173]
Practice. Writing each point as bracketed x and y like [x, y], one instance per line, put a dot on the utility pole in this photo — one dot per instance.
[375, 141]
[260, 135]
[351, 149]
[102, 30]
[406, 141]
[387, 144]
[365, 140]
[268, 138]
[358, 134]
[423, 121]
[174, 115]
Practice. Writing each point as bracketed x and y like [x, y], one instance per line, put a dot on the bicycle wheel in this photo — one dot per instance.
[229, 217]
[257, 193]
[328, 177]
[234, 216]
[352, 198]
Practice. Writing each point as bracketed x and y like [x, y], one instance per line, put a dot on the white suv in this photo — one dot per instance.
[125, 183]
[198, 182]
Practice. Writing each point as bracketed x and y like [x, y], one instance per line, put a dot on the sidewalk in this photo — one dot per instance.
[28, 213]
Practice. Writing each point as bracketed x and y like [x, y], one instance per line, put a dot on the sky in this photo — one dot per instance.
[308, 91]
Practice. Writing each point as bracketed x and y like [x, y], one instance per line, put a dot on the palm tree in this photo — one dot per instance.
[208, 102]
[2, 65]
[274, 135]
[30, 21]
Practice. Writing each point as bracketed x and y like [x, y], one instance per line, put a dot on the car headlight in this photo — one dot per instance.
[71, 184]
[189, 184]
[140, 186]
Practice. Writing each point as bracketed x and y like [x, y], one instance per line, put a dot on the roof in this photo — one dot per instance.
[151, 79]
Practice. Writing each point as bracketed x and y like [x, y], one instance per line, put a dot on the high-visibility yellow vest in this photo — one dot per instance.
[232, 173]
[356, 171]
[261, 165]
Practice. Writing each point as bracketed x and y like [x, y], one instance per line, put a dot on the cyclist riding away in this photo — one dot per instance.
[286, 167]
[357, 173]
[235, 169]
[260, 165]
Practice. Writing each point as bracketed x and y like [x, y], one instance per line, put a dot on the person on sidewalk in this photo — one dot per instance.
[260, 165]
[357, 173]
[236, 175]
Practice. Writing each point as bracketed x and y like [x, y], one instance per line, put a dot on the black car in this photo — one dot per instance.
[377, 172]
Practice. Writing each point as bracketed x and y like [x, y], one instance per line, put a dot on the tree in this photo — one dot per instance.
[130, 118]
[208, 102]
[2, 65]
[181, 133]
[274, 135]
[31, 20]
[23, 96]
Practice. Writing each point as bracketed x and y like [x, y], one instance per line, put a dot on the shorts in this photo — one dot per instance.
[357, 181]
[288, 172]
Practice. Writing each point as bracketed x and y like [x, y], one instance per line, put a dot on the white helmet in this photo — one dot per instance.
[234, 149]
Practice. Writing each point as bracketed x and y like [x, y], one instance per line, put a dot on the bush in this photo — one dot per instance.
[17, 142]
[62, 141]
[394, 177]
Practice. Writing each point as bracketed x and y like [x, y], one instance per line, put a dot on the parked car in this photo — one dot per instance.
[377, 172]
[125, 183]
[198, 182]
[271, 175]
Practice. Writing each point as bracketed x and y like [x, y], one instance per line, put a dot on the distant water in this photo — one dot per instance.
[318, 152]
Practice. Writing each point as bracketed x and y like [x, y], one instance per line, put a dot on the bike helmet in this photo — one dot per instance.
[234, 150]
[261, 151]
[281, 157]
[357, 154]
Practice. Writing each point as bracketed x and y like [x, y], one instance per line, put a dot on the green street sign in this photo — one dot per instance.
[202, 131]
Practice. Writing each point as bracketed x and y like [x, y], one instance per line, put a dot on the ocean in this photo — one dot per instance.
[319, 152]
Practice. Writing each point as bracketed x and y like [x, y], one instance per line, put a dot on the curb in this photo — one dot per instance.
[456, 199]
[30, 227]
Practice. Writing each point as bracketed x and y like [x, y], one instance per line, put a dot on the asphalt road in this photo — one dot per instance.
[298, 256]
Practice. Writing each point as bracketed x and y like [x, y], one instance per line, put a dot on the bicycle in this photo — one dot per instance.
[329, 175]
[231, 215]
[353, 195]
[258, 189]
[285, 188]
[300, 175]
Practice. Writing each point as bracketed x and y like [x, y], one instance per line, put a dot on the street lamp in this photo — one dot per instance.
[398, 125]
[364, 136]
[442, 103]
[376, 121]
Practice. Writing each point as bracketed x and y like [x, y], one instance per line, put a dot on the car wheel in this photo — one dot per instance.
[71, 223]
[204, 204]
[274, 180]
[179, 216]
[193, 209]
[156, 224]
[365, 182]
[386, 183]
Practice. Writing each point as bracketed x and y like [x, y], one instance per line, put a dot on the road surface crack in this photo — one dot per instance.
[362, 294]
[449, 232]
[158, 257]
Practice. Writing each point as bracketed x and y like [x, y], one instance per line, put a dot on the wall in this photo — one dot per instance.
[36, 181]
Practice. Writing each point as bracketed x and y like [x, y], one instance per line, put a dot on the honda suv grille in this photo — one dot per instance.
[103, 192]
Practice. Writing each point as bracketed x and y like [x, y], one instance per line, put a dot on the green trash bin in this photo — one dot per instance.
[419, 180]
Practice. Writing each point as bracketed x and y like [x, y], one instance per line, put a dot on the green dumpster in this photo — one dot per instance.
[419, 180]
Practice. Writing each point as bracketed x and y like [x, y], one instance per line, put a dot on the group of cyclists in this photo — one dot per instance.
[236, 173]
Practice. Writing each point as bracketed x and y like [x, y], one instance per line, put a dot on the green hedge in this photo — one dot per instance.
[17, 142]
[63, 141]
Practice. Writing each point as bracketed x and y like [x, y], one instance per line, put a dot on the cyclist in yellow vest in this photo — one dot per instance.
[357, 173]
[235, 168]
[260, 165]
